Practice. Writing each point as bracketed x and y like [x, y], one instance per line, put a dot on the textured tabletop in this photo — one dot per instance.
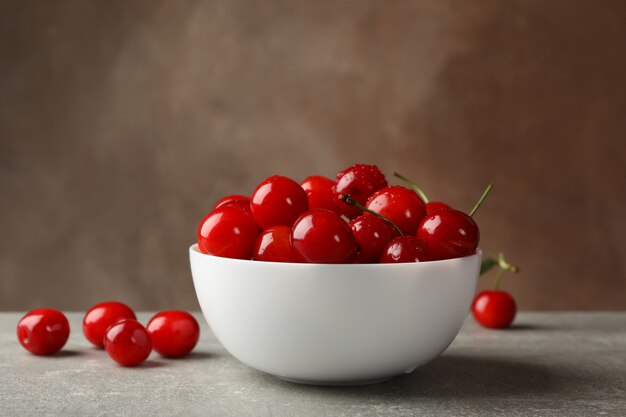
[550, 364]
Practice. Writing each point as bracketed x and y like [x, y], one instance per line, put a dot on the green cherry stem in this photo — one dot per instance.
[482, 198]
[349, 200]
[496, 284]
[504, 266]
[414, 186]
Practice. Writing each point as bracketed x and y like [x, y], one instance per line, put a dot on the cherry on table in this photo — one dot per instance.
[127, 342]
[273, 245]
[174, 333]
[494, 308]
[278, 201]
[400, 205]
[43, 331]
[372, 235]
[320, 192]
[322, 236]
[359, 181]
[99, 317]
[404, 249]
[228, 232]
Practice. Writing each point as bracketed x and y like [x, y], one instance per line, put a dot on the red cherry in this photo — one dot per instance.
[494, 309]
[372, 235]
[43, 331]
[173, 333]
[404, 249]
[320, 192]
[400, 205]
[449, 234]
[359, 181]
[322, 236]
[273, 245]
[278, 201]
[433, 206]
[127, 342]
[228, 232]
[236, 200]
[99, 317]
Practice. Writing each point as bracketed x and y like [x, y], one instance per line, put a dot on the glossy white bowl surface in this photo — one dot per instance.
[334, 324]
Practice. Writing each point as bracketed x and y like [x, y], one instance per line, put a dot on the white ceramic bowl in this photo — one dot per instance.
[334, 324]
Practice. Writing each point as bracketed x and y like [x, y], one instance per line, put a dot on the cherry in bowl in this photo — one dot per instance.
[449, 234]
[278, 201]
[322, 236]
[400, 205]
[359, 182]
[274, 245]
[319, 190]
[229, 232]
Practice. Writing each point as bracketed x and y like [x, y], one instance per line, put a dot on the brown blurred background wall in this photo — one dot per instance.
[122, 122]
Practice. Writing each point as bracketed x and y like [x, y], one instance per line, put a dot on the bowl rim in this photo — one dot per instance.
[194, 251]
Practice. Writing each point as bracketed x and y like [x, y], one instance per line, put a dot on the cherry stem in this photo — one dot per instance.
[496, 285]
[349, 200]
[504, 266]
[480, 201]
[417, 189]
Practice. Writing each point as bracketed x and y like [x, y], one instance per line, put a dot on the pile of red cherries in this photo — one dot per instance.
[114, 327]
[357, 218]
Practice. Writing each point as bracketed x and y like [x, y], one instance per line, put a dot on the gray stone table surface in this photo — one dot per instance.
[549, 364]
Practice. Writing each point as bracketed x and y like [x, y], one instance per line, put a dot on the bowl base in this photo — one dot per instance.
[335, 383]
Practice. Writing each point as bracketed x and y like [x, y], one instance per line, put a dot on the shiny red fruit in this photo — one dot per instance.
[449, 234]
[322, 236]
[174, 333]
[228, 232]
[278, 201]
[400, 205]
[99, 317]
[372, 235]
[320, 192]
[433, 206]
[127, 342]
[494, 309]
[359, 181]
[273, 245]
[43, 331]
[404, 249]
[235, 200]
